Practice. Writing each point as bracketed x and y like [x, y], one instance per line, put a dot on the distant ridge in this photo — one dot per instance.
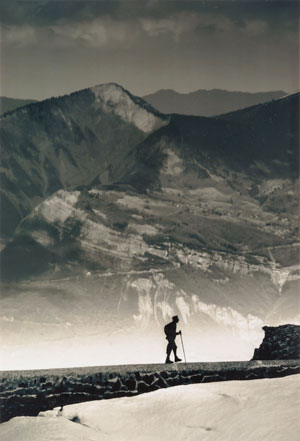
[207, 102]
[9, 104]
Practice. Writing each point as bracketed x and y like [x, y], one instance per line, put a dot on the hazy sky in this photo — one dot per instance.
[50, 48]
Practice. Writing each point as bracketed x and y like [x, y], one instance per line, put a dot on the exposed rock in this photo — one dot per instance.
[97, 383]
[113, 98]
[279, 343]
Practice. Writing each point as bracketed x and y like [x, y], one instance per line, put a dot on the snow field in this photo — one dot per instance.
[256, 410]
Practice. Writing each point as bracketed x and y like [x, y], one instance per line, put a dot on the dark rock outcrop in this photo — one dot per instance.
[279, 343]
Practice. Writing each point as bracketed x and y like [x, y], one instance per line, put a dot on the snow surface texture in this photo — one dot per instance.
[258, 410]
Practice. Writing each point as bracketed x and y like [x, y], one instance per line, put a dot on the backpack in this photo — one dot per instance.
[167, 329]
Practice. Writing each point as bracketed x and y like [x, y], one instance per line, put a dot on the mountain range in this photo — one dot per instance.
[116, 217]
[200, 102]
[207, 102]
[9, 104]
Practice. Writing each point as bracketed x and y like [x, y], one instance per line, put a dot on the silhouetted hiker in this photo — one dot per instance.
[170, 331]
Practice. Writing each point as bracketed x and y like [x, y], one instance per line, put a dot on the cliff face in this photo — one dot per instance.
[279, 343]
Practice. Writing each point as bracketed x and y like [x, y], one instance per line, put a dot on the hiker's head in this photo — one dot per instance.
[175, 319]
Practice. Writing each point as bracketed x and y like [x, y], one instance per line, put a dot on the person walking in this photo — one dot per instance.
[170, 331]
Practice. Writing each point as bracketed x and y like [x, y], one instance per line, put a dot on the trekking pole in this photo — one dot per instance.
[183, 348]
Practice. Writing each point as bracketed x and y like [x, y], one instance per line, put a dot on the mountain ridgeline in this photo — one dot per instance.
[67, 142]
[122, 209]
[207, 102]
[10, 104]
[260, 143]
[106, 136]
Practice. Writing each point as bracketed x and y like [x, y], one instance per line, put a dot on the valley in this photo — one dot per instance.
[139, 216]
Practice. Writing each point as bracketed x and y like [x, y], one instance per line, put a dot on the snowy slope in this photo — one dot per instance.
[258, 410]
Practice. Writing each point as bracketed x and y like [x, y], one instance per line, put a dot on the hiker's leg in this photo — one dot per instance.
[174, 348]
[175, 353]
[169, 350]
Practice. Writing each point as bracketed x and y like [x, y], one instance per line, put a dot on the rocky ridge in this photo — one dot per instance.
[280, 342]
[28, 393]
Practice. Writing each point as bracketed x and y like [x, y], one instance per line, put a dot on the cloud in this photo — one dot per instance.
[110, 32]
[51, 12]
[92, 34]
[256, 27]
[97, 33]
[154, 28]
[104, 24]
[148, 45]
[185, 24]
[18, 36]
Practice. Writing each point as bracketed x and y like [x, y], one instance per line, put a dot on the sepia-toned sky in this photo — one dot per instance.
[50, 48]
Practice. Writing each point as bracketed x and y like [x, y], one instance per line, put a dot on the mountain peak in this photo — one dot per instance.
[108, 88]
[112, 97]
